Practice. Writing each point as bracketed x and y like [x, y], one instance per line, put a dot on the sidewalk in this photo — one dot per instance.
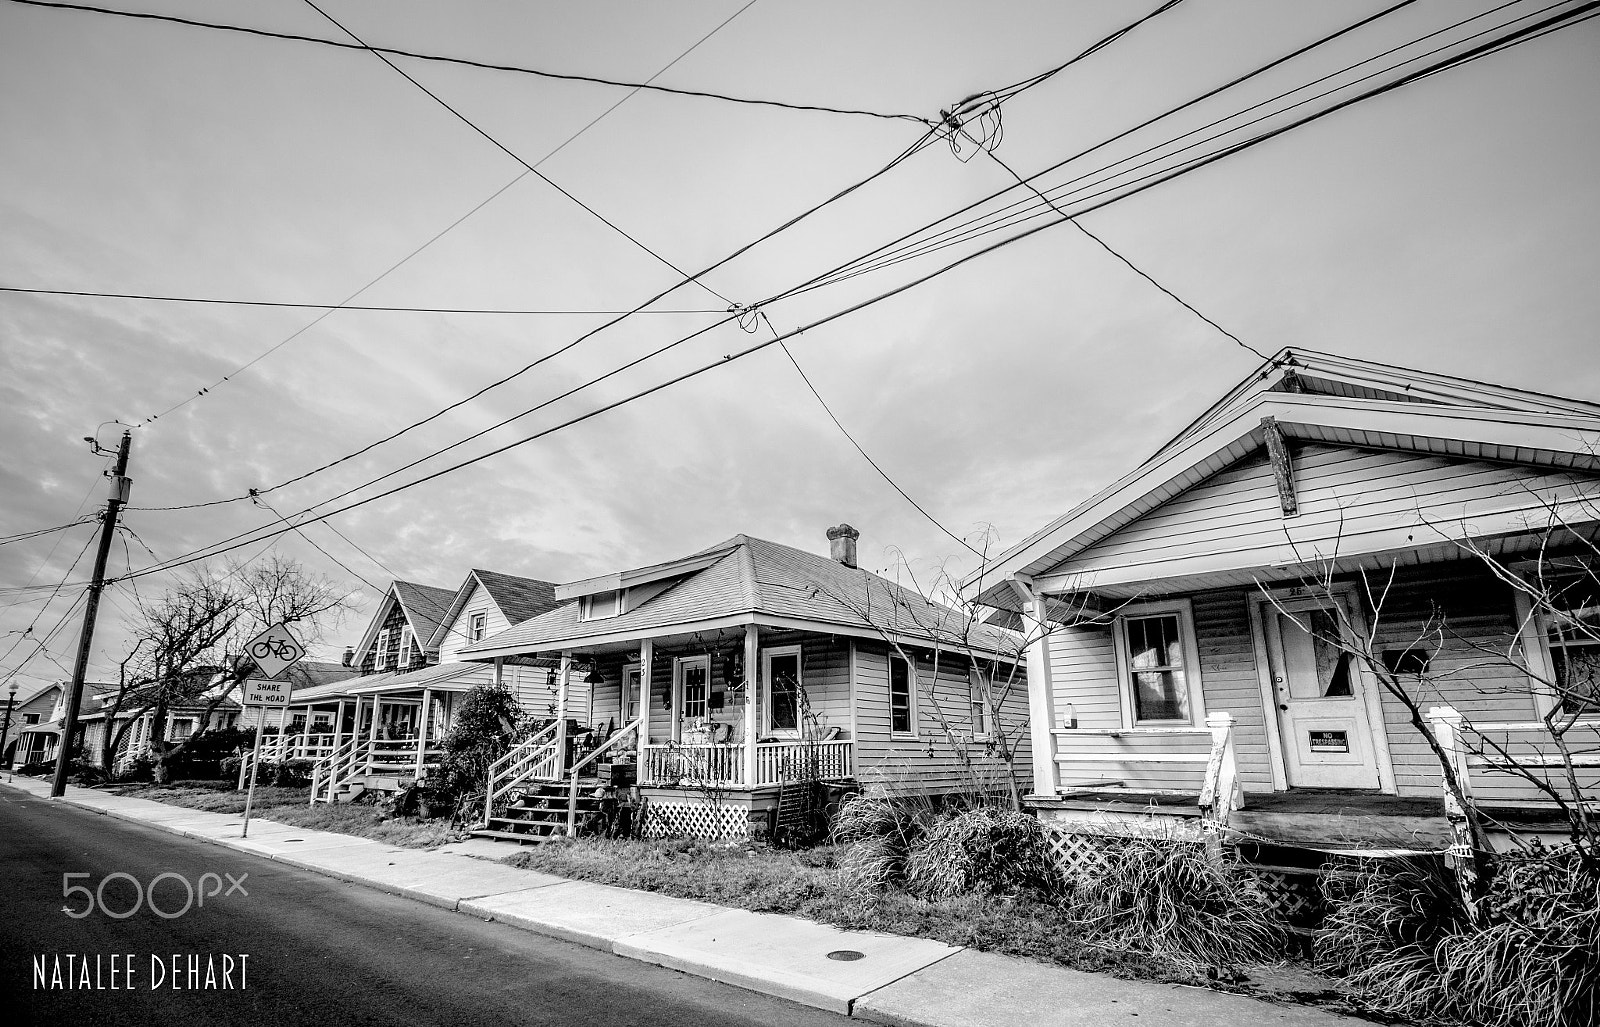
[884, 978]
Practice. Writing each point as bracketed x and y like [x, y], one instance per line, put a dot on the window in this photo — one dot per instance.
[782, 676]
[901, 721]
[408, 642]
[602, 605]
[696, 677]
[1157, 665]
[978, 703]
[181, 728]
[1572, 633]
[380, 651]
[477, 626]
[30, 718]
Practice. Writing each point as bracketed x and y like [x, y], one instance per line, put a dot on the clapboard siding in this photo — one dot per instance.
[1477, 614]
[1341, 491]
[455, 636]
[1231, 681]
[928, 761]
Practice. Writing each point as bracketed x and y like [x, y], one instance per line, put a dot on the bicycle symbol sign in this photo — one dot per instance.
[273, 651]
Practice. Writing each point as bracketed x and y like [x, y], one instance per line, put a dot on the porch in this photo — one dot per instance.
[735, 713]
[1490, 759]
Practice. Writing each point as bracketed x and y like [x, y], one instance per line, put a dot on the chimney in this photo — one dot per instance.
[349, 656]
[842, 544]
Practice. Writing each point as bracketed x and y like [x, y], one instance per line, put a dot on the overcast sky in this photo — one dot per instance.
[1448, 226]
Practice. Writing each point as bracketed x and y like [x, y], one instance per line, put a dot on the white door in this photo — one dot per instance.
[691, 693]
[1318, 687]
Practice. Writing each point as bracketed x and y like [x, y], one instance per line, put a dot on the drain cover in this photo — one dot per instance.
[846, 955]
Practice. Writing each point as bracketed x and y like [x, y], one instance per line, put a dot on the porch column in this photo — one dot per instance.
[338, 727]
[1041, 696]
[561, 711]
[752, 652]
[647, 654]
[422, 730]
[372, 735]
[499, 671]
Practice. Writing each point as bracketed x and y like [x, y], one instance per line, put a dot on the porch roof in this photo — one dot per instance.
[442, 677]
[1319, 398]
[751, 580]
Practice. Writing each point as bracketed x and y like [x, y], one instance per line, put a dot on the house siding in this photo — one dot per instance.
[1342, 492]
[928, 762]
[1479, 616]
[454, 637]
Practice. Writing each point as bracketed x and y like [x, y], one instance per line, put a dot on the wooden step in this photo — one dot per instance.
[511, 836]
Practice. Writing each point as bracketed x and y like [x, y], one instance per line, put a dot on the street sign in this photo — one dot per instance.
[264, 693]
[273, 652]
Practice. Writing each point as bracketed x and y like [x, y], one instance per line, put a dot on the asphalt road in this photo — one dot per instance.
[320, 951]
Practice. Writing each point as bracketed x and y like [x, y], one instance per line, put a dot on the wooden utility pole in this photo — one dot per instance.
[108, 528]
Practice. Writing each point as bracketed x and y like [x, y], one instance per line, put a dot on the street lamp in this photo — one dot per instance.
[5, 732]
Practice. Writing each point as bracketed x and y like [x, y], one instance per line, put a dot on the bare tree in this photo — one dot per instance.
[189, 642]
[1557, 579]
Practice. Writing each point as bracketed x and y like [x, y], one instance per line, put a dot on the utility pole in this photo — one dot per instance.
[108, 528]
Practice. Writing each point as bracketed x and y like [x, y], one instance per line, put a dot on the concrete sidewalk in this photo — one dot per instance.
[881, 977]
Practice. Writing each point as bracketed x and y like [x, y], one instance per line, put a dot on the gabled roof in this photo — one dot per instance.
[1319, 397]
[751, 580]
[517, 598]
[424, 606]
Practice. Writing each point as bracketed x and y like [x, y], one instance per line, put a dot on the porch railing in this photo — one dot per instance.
[537, 759]
[401, 754]
[1510, 748]
[1220, 792]
[724, 763]
[332, 772]
[572, 795]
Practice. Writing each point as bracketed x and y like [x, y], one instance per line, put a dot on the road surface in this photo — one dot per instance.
[301, 948]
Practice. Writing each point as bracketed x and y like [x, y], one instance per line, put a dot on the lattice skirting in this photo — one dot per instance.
[694, 820]
[1297, 896]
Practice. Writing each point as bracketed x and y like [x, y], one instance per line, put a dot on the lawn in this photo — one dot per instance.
[292, 806]
[807, 883]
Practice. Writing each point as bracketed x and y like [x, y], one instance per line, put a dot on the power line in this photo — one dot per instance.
[37, 532]
[437, 235]
[888, 255]
[503, 148]
[859, 449]
[485, 65]
[287, 305]
[1134, 267]
[229, 544]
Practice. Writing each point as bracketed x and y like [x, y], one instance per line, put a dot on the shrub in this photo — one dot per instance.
[881, 830]
[1407, 946]
[141, 767]
[1170, 897]
[984, 850]
[487, 723]
[289, 773]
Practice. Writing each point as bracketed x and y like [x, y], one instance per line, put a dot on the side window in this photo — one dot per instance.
[380, 651]
[978, 703]
[1572, 633]
[477, 626]
[901, 719]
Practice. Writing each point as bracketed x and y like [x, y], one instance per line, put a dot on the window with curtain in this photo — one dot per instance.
[1156, 674]
[900, 699]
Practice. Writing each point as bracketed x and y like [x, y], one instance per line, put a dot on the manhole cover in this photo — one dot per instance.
[846, 955]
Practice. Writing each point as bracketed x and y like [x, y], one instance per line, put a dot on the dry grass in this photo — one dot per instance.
[809, 883]
[1406, 946]
[291, 806]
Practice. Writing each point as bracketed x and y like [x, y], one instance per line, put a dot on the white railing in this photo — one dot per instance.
[537, 759]
[1220, 792]
[572, 794]
[1516, 751]
[724, 763]
[803, 760]
[332, 772]
[703, 763]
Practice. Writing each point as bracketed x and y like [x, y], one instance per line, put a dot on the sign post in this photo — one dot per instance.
[273, 652]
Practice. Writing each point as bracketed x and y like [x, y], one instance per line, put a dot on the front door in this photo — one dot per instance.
[1318, 687]
[692, 695]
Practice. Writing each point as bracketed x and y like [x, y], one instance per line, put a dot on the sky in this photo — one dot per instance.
[1447, 226]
